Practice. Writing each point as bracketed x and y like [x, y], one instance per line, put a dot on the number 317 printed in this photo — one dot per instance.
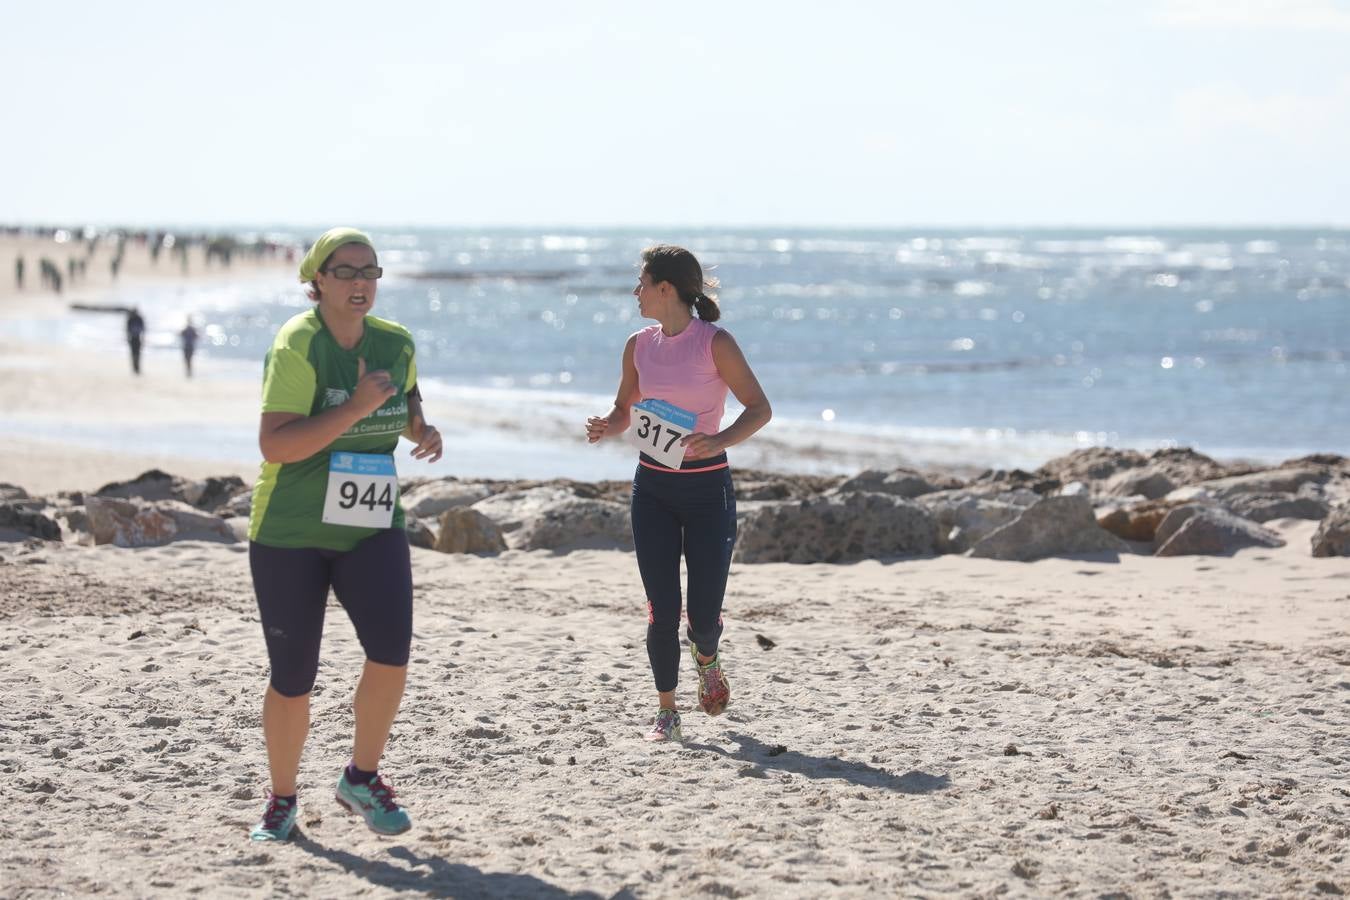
[645, 430]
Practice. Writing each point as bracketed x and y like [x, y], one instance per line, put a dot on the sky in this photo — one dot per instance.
[983, 113]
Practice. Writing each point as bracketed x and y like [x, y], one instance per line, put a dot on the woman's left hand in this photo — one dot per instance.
[428, 444]
[700, 446]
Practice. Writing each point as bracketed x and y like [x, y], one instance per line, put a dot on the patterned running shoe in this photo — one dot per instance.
[374, 802]
[278, 820]
[666, 727]
[714, 691]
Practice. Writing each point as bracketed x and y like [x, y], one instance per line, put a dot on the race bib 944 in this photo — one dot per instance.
[362, 490]
[656, 428]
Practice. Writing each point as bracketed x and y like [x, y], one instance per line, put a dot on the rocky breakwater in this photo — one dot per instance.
[1096, 502]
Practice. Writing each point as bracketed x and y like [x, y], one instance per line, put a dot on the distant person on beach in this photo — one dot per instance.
[189, 339]
[51, 274]
[339, 388]
[135, 336]
[18, 272]
[679, 370]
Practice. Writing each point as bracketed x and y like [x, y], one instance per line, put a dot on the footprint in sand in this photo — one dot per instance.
[491, 734]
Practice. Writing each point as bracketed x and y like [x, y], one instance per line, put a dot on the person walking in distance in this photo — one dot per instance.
[189, 338]
[135, 336]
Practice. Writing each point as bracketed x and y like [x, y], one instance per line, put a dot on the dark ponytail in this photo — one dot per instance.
[706, 306]
[666, 262]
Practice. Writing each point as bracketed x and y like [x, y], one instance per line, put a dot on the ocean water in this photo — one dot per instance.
[989, 348]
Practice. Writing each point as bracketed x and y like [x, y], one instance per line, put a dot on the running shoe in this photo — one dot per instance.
[666, 727]
[714, 691]
[374, 802]
[278, 820]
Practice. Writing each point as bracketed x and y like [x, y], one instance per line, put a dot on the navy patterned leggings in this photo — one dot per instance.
[692, 514]
[372, 581]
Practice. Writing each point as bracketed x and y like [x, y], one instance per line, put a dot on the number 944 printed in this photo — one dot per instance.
[362, 490]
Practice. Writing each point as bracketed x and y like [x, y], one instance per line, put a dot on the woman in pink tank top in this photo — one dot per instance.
[681, 369]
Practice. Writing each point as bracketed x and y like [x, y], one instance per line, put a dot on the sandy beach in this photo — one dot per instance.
[1143, 727]
[52, 391]
[1153, 728]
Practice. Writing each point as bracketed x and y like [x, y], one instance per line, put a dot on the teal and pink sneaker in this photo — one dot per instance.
[714, 691]
[278, 820]
[666, 727]
[374, 802]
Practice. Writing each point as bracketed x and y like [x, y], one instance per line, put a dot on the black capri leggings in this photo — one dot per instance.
[693, 514]
[372, 581]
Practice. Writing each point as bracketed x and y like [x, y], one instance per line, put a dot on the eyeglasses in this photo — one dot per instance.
[347, 273]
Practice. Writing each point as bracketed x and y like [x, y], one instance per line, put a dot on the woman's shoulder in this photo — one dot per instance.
[297, 331]
[389, 326]
[711, 335]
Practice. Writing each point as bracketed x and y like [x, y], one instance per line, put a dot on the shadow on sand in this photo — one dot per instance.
[767, 756]
[436, 877]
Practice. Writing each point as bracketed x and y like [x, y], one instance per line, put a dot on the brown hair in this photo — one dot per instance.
[666, 262]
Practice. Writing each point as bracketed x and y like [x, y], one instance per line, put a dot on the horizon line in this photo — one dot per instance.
[237, 225]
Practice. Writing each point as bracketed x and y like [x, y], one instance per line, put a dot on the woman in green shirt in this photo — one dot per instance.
[339, 389]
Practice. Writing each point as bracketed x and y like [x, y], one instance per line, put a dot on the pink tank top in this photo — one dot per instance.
[680, 370]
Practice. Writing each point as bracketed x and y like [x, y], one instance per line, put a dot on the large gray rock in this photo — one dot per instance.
[1091, 464]
[1210, 531]
[1192, 493]
[12, 492]
[419, 534]
[835, 528]
[1147, 482]
[767, 489]
[429, 499]
[755, 484]
[1185, 466]
[1054, 526]
[1176, 517]
[1271, 481]
[239, 504]
[223, 495]
[576, 523]
[965, 517]
[999, 481]
[18, 522]
[1330, 460]
[1264, 507]
[1094, 465]
[151, 485]
[127, 522]
[512, 509]
[900, 483]
[465, 530]
[76, 519]
[211, 493]
[1333, 535]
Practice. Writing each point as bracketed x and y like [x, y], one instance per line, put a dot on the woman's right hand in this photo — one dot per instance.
[596, 428]
[372, 388]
